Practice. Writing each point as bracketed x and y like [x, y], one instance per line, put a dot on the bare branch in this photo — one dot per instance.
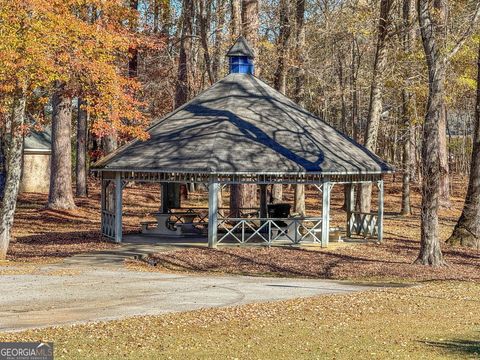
[466, 34]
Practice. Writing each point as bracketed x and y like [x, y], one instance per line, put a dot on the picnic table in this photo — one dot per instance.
[176, 224]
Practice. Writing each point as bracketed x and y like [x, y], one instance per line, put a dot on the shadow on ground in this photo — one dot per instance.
[459, 347]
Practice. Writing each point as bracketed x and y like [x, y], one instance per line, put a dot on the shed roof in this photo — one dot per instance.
[242, 125]
[241, 48]
[38, 141]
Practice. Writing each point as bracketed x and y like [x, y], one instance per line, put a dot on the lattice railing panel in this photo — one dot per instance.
[108, 224]
[268, 230]
[365, 224]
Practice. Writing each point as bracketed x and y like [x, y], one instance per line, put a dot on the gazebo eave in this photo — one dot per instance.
[238, 177]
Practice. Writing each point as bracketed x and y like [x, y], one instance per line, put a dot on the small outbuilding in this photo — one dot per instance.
[37, 152]
[242, 131]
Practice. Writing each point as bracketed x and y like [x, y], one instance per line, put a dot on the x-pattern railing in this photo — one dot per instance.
[365, 224]
[267, 230]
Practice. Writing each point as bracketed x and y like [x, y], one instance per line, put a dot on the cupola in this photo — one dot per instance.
[241, 57]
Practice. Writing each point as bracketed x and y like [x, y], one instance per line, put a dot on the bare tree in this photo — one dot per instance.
[245, 195]
[430, 26]
[183, 87]
[299, 90]
[218, 54]
[280, 77]
[236, 18]
[407, 105]
[205, 9]
[376, 89]
[467, 229]
[250, 22]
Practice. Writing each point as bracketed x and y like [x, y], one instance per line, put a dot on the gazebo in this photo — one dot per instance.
[242, 131]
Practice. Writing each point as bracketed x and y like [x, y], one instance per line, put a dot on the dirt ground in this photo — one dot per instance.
[43, 235]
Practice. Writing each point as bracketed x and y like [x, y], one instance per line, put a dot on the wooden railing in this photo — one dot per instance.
[268, 230]
[365, 224]
[108, 224]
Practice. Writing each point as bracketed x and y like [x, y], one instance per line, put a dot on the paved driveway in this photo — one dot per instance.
[103, 293]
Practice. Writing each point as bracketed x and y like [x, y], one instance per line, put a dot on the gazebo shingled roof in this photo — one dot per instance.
[242, 125]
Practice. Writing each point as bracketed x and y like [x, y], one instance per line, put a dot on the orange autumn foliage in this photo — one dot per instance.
[82, 43]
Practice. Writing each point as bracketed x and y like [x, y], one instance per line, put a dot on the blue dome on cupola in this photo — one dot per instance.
[241, 58]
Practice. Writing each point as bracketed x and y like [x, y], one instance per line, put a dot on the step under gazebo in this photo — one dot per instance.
[242, 131]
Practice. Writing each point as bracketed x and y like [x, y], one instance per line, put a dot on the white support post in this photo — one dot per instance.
[213, 188]
[380, 211]
[350, 194]
[118, 208]
[327, 186]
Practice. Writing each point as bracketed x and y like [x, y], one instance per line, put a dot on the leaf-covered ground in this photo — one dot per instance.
[430, 321]
[390, 261]
[359, 262]
[43, 235]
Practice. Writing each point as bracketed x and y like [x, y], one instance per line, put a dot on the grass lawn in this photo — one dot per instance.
[435, 320]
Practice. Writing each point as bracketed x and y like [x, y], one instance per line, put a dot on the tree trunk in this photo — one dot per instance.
[183, 87]
[2, 164]
[13, 154]
[276, 194]
[299, 200]
[440, 23]
[250, 22]
[245, 195]
[406, 208]
[376, 89]
[205, 14]
[430, 251]
[467, 229]
[133, 51]
[299, 94]
[81, 170]
[355, 65]
[443, 148]
[60, 196]
[299, 90]
[109, 143]
[218, 54]
[280, 78]
[242, 196]
[236, 18]
[407, 108]
[166, 16]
